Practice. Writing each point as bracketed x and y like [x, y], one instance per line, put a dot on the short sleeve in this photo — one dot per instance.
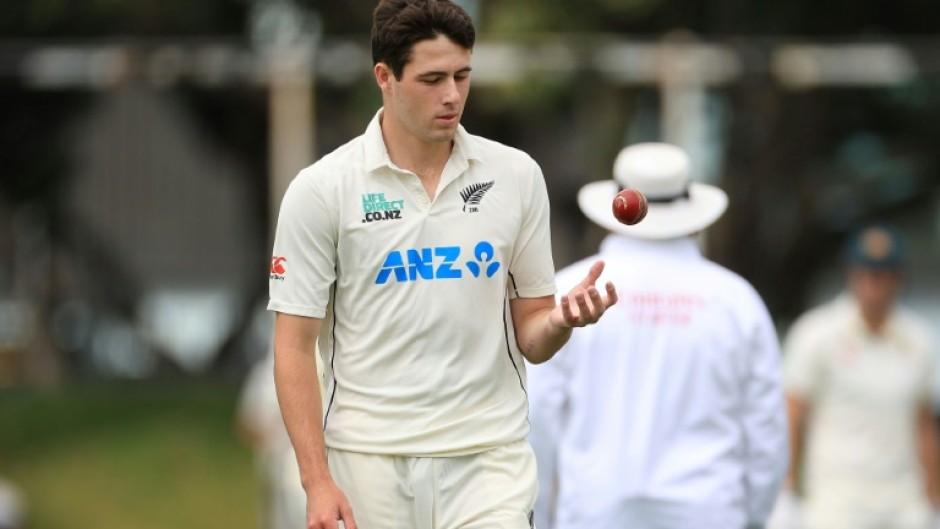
[532, 267]
[923, 341]
[804, 357]
[303, 264]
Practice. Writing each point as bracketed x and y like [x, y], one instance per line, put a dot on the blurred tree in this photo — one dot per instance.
[86, 18]
[35, 169]
[713, 17]
[99, 18]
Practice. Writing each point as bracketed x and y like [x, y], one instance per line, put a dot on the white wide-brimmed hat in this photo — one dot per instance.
[677, 205]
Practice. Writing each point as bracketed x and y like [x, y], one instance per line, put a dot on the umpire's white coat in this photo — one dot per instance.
[667, 413]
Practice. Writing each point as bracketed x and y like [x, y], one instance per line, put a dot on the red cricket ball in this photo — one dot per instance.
[630, 206]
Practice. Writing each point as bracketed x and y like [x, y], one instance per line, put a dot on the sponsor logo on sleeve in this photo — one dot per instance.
[278, 268]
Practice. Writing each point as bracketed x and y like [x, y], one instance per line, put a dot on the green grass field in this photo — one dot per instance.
[140, 456]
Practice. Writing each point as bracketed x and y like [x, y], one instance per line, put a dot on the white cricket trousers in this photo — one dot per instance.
[495, 489]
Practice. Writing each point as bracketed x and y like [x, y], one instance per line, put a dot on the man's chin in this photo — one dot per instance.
[442, 136]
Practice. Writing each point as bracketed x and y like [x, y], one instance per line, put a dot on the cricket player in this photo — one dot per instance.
[418, 256]
[858, 378]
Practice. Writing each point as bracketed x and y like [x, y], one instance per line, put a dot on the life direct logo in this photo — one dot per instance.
[377, 208]
[439, 262]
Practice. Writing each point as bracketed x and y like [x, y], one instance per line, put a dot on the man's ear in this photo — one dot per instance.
[383, 76]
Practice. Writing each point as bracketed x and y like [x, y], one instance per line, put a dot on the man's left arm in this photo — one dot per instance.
[542, 327]
[928, 449]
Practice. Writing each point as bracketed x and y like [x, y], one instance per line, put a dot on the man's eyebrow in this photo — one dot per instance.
[435, 73]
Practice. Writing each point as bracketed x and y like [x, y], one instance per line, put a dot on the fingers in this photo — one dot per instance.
[585, 312]
[595, 272]
[597, 302]
[589, 302]
[566, 313]
[347, 516]
[345, 521]
[586, 301]
[611, 294]
[330, 512]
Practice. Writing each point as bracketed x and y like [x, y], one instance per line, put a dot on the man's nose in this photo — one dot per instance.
[451, 94]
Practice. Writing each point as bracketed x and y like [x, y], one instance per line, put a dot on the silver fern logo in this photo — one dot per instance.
[473, 194]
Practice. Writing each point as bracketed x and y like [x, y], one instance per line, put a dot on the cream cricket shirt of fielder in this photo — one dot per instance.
[417, 339]
[865, 391]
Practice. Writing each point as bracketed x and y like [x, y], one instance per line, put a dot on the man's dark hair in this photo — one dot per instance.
[397, 25]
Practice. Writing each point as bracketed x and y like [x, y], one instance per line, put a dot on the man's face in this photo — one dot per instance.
[874, 289]
[429, 99]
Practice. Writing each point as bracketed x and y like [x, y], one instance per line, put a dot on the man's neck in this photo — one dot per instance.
[427, 160]
[875, 322]
[408, 152]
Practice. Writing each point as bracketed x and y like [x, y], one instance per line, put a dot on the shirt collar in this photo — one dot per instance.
[376, 154]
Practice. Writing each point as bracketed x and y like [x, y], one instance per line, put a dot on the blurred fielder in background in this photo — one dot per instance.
[858, 376]
[261, 427]
[669, 413]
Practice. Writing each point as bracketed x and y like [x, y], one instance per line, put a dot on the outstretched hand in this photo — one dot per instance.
[584, 305]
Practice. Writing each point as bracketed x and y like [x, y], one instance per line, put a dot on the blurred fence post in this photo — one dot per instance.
[688, 69]
[286, 37]
[681, 91]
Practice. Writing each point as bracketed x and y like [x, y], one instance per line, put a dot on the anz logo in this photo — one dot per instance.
[440, 262]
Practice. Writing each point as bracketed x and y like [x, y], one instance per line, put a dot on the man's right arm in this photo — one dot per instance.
[797, 409]
[298, 393]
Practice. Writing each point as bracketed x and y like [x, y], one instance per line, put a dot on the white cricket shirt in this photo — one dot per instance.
[417, 341]
[864, 392]
[668, 412]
